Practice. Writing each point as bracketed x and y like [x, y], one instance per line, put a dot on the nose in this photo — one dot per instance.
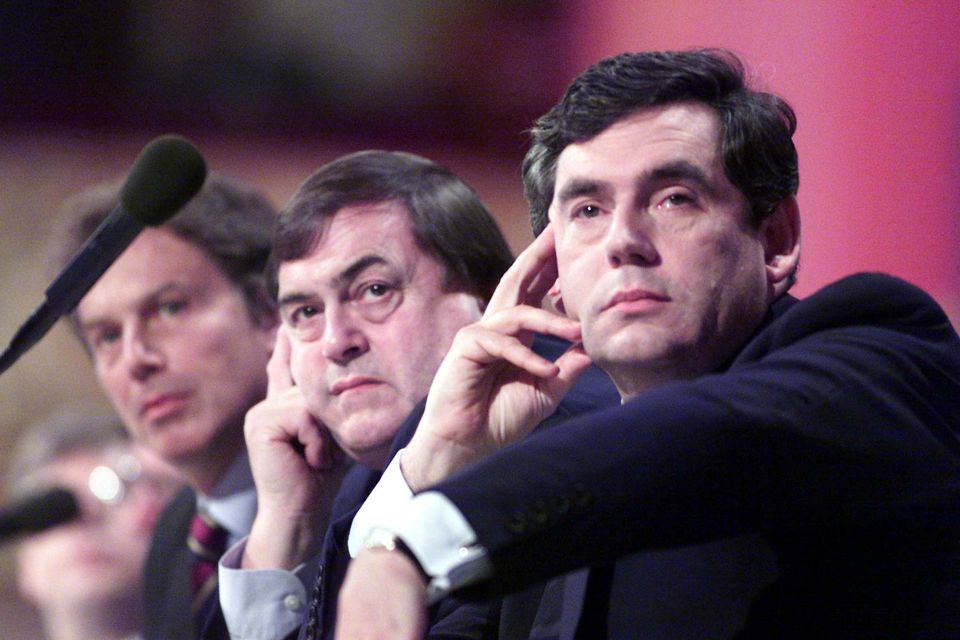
[628, 240]
[141, 354]
[343, 338]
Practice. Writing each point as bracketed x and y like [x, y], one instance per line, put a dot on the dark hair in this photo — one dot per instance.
[756, 128]
[229, 221]
[447, 219]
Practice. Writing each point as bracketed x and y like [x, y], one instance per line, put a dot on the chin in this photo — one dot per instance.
[369, 436]
[176, 447]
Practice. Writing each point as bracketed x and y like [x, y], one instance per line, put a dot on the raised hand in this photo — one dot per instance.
[296, 466]
[491, 388]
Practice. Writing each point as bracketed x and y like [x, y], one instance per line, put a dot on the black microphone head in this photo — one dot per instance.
[39, 512]
[167, 173]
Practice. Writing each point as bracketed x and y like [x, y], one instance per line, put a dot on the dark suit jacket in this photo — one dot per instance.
[167, 573]
[833, 435]
[168, 596]
[452, 618]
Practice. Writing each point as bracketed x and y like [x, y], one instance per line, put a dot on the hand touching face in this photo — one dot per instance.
[369, 319]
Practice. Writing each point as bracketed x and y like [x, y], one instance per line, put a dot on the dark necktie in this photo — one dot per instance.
[312, 631]
[207, 541]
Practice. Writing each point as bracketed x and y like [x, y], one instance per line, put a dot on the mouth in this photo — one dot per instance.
[164, 405]
[634, 300]
[353, 383]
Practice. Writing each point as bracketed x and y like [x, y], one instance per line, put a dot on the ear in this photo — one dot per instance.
[780, 235]
[556, 298]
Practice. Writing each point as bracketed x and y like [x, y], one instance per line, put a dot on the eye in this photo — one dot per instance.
[587, 211]
[375, 290]
[171, 307]
[376, 300]
[102, 337]
[104, 343]
[674, 200]
[303, 313]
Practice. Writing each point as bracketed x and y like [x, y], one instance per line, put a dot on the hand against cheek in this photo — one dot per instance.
[383, 598]
[491, 388]
[296, 466]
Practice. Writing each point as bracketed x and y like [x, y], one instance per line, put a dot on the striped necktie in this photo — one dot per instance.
[207, 540]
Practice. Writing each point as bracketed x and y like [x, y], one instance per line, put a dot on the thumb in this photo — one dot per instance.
[571, 364]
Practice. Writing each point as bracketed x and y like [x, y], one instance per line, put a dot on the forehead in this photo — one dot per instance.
[381, 230]
[158, 258]
[644, 140]
[74, 466]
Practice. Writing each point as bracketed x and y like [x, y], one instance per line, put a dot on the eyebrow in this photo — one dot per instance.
[676, 170]
[354, 269]
[148, 299]
[579, 187]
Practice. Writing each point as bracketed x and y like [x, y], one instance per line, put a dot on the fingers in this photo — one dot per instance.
[319, 448]
[527, 320]
[284, 419]
[571, 365]
[504, 336]
[530, 277]
[278, 367]
[490, 346]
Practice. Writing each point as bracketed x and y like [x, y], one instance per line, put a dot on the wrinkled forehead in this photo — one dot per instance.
[353, 240]
[638, 146]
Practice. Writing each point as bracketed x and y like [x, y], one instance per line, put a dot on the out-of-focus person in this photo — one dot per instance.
[179, 331]
[85, 576]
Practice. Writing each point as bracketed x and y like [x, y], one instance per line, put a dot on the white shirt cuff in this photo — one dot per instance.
[388, 498]
[261, 604]
[430, 525]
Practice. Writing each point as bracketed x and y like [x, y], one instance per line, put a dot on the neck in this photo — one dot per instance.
[632, 385]
[204, 475]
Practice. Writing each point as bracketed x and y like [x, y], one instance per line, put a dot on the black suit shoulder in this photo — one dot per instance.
[167, 572]
[839, 420]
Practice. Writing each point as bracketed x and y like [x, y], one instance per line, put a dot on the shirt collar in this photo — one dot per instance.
[233, 501]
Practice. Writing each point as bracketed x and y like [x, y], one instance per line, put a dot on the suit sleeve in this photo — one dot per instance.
[834, 417]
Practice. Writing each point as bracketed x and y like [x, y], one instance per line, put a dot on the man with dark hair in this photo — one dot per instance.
[827, 428]
[85, 576]
[180, 329]
[379, 259]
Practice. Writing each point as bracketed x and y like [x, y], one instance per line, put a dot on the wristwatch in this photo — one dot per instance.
[472, 564]
[381, 538]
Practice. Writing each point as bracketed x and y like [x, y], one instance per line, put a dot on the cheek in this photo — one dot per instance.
[569, 275]
[307, 367]
[111, 380]
[296, 364]
[227, 349]
[734, 277]
[409, 356]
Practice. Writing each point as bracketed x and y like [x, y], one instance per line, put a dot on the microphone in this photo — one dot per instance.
[165, 176]
[38, 512]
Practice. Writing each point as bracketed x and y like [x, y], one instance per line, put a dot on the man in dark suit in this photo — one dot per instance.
[180, 330]
[827, 429]
[452, 618]
[380, 257]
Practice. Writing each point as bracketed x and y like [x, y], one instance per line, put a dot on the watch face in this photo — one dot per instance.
[380, 538]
